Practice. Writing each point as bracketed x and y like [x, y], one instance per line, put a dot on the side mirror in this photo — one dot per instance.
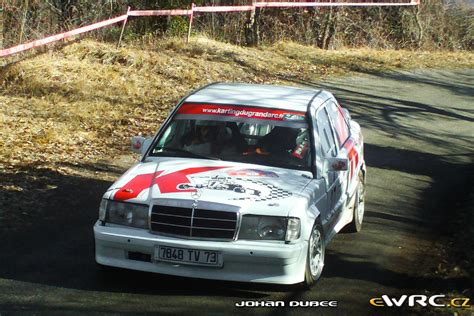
[346, 113]
[140, 144]
[337, 164]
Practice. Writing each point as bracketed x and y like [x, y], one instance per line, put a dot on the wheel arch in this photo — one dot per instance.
[314, 216]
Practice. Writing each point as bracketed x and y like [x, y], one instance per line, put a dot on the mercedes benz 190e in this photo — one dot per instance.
[242, 182]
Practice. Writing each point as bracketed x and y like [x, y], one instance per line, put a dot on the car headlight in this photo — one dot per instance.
[121, 213]
[254, 227]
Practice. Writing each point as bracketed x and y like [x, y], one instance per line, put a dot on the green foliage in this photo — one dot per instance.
[178, 26]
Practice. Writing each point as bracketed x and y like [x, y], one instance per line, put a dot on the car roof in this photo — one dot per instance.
[269, 96]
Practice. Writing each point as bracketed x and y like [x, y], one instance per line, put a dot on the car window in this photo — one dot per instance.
[272, 137]
[328, 145]
[339, 122]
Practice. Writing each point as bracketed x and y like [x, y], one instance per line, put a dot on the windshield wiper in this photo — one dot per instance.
[183, 151]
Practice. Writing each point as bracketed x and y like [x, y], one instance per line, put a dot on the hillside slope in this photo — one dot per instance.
[82, 103]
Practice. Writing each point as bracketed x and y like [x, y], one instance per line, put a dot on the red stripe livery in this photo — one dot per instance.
[167, 183]
[352, 154]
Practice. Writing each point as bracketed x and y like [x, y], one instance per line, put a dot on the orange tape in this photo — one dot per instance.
[58, 37]
[98, 25]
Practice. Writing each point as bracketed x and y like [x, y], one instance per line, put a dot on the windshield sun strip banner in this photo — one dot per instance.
[293, 124]
[241, 112]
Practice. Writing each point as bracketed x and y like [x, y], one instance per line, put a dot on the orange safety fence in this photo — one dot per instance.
[194, 9]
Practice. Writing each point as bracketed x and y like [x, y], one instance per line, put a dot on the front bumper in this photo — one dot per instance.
[244, 261]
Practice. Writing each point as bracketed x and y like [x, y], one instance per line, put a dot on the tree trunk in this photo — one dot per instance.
[23, 21]
[9, 24]
[251, 28]
[332, 28]
[2, 19]
[213, 26]
[419, 25]
[329, 29]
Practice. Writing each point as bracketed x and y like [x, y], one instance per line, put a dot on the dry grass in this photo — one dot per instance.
[81, 104]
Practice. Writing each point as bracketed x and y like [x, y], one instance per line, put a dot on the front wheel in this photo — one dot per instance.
[315, 257]
[359, 207]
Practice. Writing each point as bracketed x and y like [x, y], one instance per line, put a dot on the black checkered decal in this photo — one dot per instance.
[275, 192]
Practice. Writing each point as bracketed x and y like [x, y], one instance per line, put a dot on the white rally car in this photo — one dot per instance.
[242, 182]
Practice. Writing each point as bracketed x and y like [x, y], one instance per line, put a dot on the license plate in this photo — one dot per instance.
[188, 256]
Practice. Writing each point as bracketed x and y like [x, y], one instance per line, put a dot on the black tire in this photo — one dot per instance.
[359, 207]
[313, 269]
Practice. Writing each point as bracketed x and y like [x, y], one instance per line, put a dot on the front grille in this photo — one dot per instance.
[179, 221]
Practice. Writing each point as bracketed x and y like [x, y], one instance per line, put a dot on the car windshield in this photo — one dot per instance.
[262, 136]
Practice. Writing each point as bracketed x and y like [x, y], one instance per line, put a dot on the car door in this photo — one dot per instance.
[328, 148]
[341, 134]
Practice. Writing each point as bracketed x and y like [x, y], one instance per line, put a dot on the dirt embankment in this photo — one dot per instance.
[81, 103]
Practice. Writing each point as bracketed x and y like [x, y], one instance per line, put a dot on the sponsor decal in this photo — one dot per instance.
[219, 183]
[439, 300]
[178, 181]
[243, 188]
[253, 304]
[168, 183]
[293, 117]
[241, 112]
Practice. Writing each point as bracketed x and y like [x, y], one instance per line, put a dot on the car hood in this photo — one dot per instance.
[256, 188]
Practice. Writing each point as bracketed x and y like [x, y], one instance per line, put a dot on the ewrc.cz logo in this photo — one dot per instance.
[420, 300]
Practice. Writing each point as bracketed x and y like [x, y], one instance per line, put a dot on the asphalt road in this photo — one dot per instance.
[418, 131]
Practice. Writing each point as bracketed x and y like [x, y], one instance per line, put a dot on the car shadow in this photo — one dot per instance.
[46, 220]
